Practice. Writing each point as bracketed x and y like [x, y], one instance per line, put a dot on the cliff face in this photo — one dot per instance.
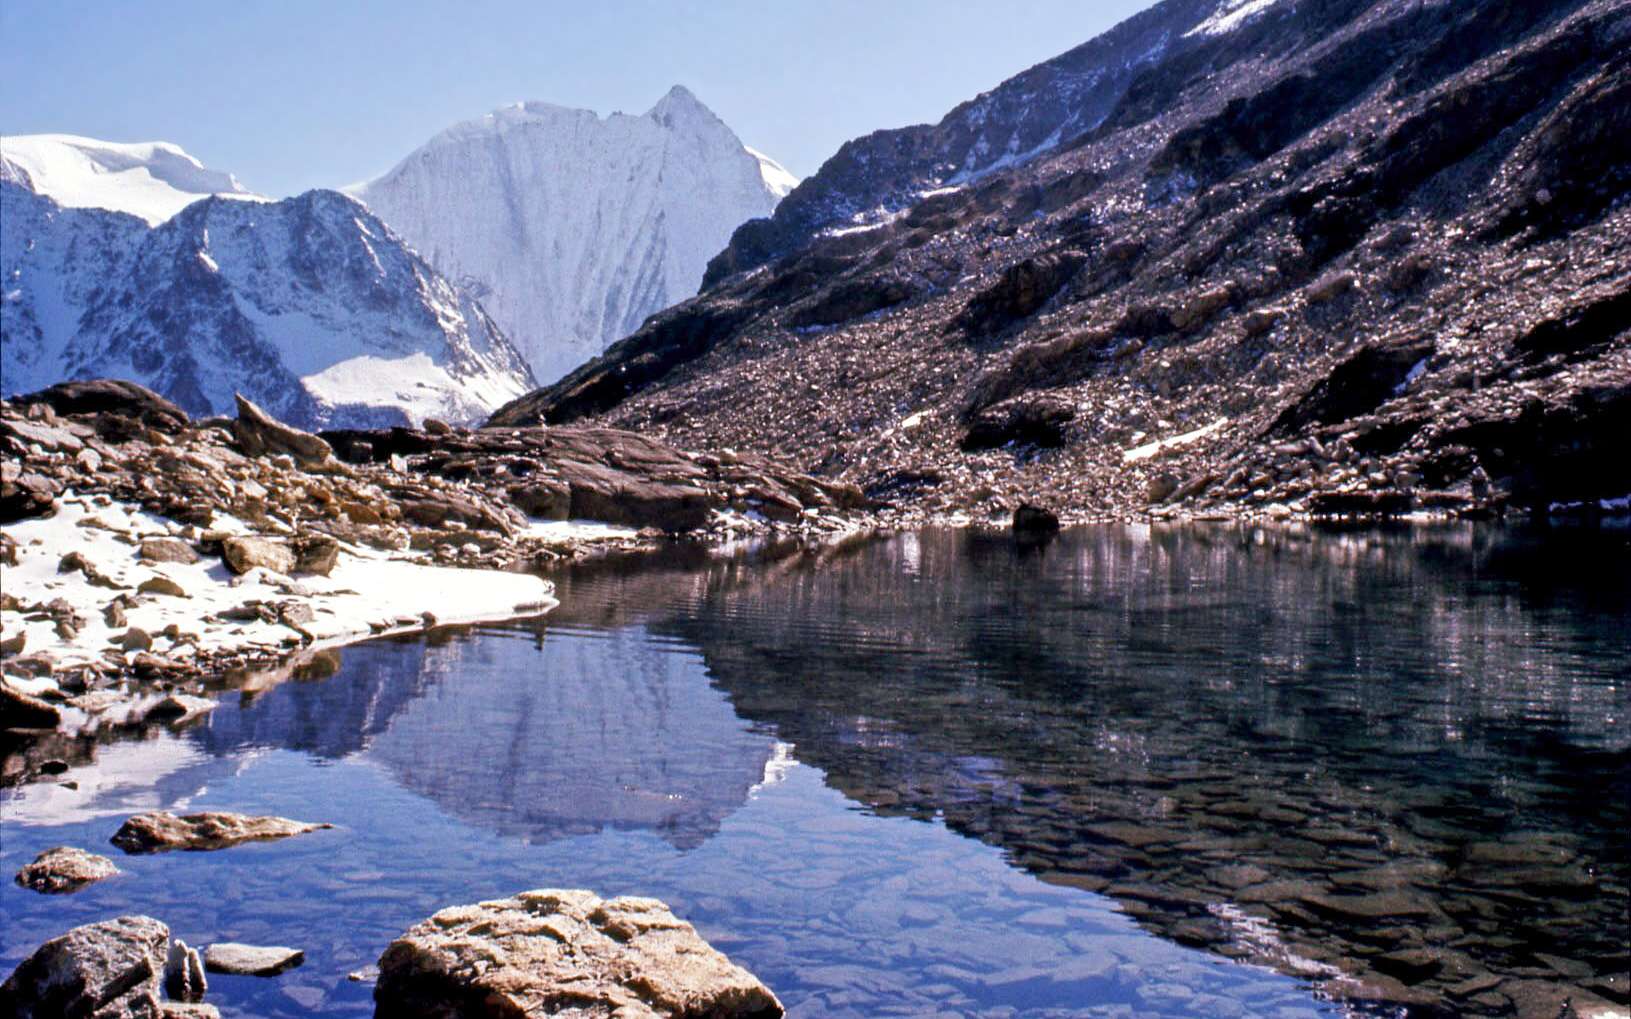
[1336, 256]
[574, 228]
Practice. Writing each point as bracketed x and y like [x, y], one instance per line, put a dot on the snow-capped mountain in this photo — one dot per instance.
[152, 180]
[309, 306]
[573, 228]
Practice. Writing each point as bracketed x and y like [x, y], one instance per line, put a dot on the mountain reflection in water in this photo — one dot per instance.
[1404, 753]
[1392, 764]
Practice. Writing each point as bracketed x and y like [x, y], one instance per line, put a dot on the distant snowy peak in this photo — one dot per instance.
[151, 180]
[572, 226]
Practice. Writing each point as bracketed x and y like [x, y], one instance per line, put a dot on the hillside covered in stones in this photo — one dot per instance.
[1341, 256]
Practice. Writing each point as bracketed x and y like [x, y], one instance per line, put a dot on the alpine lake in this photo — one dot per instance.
[1190, 771]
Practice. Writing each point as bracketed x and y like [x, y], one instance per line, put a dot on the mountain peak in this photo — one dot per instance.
[679, 105]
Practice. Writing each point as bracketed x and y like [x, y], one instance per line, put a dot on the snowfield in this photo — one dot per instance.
[574, 228]
[150, 180]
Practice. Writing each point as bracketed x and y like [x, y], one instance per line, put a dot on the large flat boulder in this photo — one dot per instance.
[161, 830]
[563, 952]
[107, 970]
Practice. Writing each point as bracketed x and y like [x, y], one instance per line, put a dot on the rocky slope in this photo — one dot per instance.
[574, 228]
[310, 306]
[881, 174]
[1338, 256]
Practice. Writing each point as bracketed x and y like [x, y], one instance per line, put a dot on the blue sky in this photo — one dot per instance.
[300, 94]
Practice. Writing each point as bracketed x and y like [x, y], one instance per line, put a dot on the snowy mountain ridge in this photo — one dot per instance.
[309, 306]
[573, 228]
[150, 180]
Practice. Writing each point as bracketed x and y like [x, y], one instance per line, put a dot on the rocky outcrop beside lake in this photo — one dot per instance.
[148, 553]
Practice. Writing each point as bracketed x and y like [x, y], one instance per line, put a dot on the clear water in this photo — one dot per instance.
[1187, 772]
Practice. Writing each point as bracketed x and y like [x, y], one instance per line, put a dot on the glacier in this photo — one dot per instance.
[573, 228]
[310, 306]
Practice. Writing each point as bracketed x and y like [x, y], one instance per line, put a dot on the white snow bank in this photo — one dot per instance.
[153, 180]
[366, 587]
[1149, 449]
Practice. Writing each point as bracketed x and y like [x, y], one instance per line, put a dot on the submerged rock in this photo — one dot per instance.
[65, 869]
[109, 969]
[161, 830]
[251, 960]
[554, 951]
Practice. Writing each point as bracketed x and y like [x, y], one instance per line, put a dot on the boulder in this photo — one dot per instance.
[1030, 519]
[601, 492]
[26, 495]
[111, 396]
[316, 553]
[65, 869]
[242, 554]
[260, 434]
[161, 585]
[251, 960]
[184, 979]
[19, 710]
[1024, 421]
[551, 951]
[106, 970]
[161, 830]
[168, 550]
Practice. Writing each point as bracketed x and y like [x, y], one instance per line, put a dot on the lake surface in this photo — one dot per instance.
[1196, 772]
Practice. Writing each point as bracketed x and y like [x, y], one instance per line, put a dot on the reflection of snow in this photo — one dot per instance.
[1258, 937]
[781, 763]
[124, 777]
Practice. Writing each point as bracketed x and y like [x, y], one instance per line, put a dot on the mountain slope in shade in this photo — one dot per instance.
[150, 180]
[875, 176]
[310, 306]
[574, 228]
[1330, 256]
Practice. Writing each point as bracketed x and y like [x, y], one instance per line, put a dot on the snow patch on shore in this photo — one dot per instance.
[368, 591]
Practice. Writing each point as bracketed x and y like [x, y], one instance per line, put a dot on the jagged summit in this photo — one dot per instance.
[152, 180]
[574, 227]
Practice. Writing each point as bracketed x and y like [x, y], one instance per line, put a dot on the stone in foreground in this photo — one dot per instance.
[251, 960]
[65, 869]
[108, 969]
[184, 979]
[554, 952]
[161, 830]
